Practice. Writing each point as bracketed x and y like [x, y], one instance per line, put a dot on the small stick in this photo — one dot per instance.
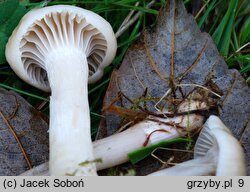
[129, 21]
[203, 7]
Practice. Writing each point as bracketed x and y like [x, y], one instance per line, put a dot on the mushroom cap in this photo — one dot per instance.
[45, 29]
[216, 139]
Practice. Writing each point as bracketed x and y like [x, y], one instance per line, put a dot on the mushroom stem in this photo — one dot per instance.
[113, 150]
[70, 140]
[216, 152]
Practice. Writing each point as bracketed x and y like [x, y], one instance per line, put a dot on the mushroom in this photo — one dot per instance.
[216, 152]
[61, 48]
[113, 150]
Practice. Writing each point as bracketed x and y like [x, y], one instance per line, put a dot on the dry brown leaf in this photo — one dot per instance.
[173, 53]
[23, 135]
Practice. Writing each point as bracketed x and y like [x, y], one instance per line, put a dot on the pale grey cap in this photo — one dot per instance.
[217, 139]
[42, 30]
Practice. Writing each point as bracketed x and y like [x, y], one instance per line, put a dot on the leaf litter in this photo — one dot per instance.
[170, 63]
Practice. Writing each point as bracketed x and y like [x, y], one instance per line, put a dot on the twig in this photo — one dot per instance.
[203, 7]
[129, 21]
[165, 95]
[129, 15]
[41, 105]
[242, 47]
[168, 149]
[200, 86]
[182, 85]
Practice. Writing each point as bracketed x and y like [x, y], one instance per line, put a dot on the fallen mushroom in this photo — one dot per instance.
[217, 152]
[113, 150]
[73, 46]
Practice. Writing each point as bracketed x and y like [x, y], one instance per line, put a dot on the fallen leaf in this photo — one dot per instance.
[23, 135]
[176, 54]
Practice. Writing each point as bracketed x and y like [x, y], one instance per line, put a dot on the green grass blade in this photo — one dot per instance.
[98, 86]
[244, 9]
[23, 92]
[217, 18]
[225, 40]
[245, 31]
[243, 59]
[235, 41]
[223, 32]
[206, 14]
[140, 154]
[245, 69]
